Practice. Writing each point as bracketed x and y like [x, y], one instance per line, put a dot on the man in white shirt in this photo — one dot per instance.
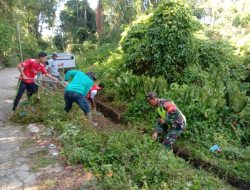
[53, 67]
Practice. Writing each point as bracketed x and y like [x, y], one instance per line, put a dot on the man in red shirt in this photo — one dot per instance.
[29, 70]
[93, 92]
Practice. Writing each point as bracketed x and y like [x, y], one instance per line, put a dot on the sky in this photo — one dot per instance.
[49, 32]
[93, 4]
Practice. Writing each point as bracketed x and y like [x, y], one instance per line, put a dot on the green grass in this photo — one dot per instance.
[135, 162]
[41, 159]
[233, 161]
[123, 159]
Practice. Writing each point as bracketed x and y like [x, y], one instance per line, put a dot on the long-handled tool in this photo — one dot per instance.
[42, 80]
[45, 89]
[38, 84]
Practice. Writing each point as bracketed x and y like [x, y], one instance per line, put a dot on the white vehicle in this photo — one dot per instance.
[67, 59]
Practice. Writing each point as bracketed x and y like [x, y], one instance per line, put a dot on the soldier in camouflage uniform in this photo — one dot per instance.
[171, 121]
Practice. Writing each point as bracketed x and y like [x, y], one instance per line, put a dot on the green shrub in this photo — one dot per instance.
[162, 43]
[139, 110]
[6, 35]
[11, 61]
[89, 53]
[128, 160]
[215, 53]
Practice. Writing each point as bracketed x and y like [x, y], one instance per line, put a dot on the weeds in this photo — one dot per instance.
[40, 160]
[119, 159]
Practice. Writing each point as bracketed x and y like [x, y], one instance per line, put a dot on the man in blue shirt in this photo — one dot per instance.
[77, 89]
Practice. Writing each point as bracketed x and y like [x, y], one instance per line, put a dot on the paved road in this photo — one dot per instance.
[8, 84]
[14, 169]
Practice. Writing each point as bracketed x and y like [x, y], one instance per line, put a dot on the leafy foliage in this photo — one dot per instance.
[29, 15]
[77, 21]
[90, 53]
[49, 110]
[161, 51]
[36, 13]
[212, 52]
[161, 44]
[6, 33]
[134, 163]
[207, 89]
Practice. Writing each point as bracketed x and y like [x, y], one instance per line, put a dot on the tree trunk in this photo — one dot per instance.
[99, 25]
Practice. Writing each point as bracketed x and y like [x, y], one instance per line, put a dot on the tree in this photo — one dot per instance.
[228, 18]
[6, 8]
[162, 43]
[119, 12]
[77, 21]
[58, 41]
[38, 12]
[6, 35]
[99, 25]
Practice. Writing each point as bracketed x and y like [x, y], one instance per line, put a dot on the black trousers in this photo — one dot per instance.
[31, 89]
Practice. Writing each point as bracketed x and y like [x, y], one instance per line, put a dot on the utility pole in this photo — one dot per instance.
[62, 42]
[85, 13]
[19, 40]
[77, 13]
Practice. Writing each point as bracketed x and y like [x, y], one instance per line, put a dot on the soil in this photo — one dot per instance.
[72, 177]
[108, 111]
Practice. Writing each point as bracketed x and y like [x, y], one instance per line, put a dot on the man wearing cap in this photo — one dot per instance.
[29, 69]
[77, 89]
[53, 67]
[171, 121]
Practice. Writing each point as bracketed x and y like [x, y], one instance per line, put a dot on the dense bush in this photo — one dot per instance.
[213, 117]
[90, 53]
[208, 91]
[6, 32]
[212, 52]
[161, 43]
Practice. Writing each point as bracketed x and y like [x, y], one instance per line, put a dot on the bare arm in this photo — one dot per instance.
[21, 68]
[50, 76]
[92, 95]
[155, 135]
[60, 65]
[92, 102]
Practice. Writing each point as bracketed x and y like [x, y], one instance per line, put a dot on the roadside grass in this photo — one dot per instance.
[119, 159]
[41, 159]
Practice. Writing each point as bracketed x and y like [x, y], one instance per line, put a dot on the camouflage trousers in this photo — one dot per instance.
[168, 136]
[171, 137]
